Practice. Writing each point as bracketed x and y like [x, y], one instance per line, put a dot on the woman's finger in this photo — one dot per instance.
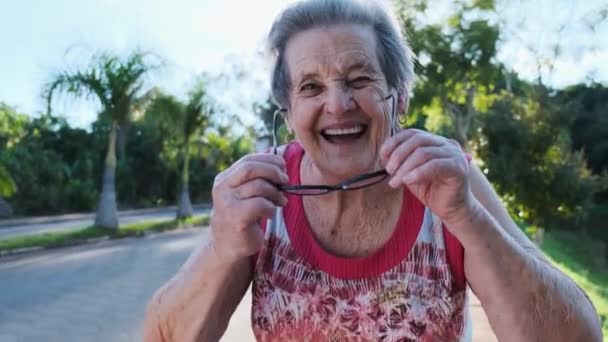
[407, 147]
[420, 156]
[251, 170]
[254, 209]
[393, 142]
[433, 170]
[264, 157]
[261, 188]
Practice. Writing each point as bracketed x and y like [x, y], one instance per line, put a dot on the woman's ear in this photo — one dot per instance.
[403, 103]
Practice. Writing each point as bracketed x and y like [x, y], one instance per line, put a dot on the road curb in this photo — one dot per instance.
[20, 251]
[5, 223]
[30, 250]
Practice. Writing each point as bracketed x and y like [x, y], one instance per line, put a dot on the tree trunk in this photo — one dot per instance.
[470, 113]
[5, 209]
[121, 139]
[107, 216]
[538, 237]
[461, 134]
[463, 118]
[184, 209]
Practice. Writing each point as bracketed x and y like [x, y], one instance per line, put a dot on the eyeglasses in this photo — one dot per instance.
[355, 183]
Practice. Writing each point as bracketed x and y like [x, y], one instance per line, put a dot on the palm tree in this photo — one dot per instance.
[117, 84]
[183, 120]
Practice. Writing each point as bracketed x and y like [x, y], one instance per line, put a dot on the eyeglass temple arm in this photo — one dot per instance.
[275, 127]
[345, 185]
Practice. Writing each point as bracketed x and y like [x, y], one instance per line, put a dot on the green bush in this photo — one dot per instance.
[525, 148]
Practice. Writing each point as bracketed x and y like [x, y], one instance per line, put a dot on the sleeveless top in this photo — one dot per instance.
[412, 289]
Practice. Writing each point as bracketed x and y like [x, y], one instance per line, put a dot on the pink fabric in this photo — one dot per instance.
[300, 234]
[412, 289]
[415, 301]
[389, 255]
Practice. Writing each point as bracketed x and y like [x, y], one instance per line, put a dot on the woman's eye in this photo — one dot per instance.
[360, 82]
[309, 87]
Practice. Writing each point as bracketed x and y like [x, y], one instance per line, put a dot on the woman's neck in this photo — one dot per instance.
[351, 223]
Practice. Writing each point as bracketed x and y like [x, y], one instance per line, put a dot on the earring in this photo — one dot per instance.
[402, 119]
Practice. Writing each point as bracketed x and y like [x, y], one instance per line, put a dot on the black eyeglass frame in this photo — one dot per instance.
[302, 190]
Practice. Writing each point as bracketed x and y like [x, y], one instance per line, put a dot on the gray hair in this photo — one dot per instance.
[394, 54]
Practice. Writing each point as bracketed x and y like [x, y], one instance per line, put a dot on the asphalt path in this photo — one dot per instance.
[99, 292]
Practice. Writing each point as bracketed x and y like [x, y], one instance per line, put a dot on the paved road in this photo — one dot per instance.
[99, 292]
[56, 224]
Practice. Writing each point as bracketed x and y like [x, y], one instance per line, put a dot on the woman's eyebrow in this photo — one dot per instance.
[361, 66]
[307, 75]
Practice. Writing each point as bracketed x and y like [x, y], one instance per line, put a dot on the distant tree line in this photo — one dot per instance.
[544, 149]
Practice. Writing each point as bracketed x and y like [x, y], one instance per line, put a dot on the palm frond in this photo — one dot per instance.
[78, 83]
[116, 83]
[198, 111]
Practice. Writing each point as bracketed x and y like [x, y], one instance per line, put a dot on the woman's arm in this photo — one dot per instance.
[197, 303]
[525, 297]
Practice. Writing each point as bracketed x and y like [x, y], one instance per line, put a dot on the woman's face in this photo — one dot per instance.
[338, 109]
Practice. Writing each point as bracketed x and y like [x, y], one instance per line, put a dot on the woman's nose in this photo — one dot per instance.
[339, 100]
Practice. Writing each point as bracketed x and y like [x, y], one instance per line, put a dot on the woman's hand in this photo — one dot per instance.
[434, 169]
[242, 196]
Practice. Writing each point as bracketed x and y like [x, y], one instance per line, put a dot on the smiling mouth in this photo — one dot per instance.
[343, 135]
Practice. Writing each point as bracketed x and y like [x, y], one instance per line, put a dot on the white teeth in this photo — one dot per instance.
[343, 131]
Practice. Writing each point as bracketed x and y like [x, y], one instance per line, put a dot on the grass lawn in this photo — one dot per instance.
[584, 260]
[60, 239]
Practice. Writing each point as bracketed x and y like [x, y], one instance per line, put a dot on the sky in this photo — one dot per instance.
[39, 38]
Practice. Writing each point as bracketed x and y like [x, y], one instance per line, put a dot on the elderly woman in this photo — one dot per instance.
[385, 255]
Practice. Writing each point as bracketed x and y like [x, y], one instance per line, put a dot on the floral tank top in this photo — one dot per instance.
[411, 289]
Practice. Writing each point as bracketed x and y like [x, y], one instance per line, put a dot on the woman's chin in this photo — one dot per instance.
[345, 171]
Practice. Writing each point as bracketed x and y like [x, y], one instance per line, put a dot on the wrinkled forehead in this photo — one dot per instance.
[332, 51]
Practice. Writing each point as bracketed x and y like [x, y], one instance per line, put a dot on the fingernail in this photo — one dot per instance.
[284, 177]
